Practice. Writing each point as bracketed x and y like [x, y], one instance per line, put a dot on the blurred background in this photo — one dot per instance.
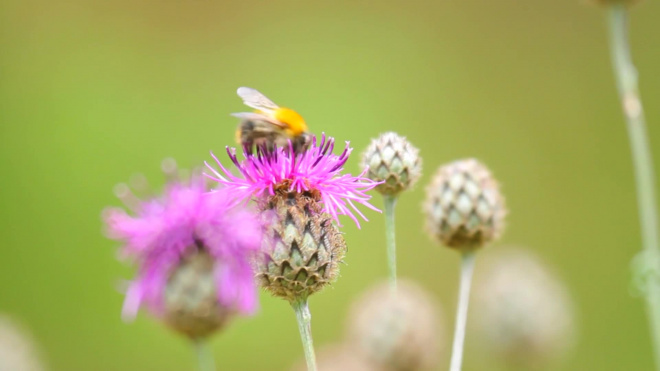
[92, 92]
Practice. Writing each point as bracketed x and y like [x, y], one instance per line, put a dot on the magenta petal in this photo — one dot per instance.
[315, 168]
[132, 302]
[187, 217]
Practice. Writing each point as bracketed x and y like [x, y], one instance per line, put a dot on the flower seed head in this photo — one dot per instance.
[191, 301]
[391, 159]
[523, 312]
[464, 208]
[303, 247]
[397, 330]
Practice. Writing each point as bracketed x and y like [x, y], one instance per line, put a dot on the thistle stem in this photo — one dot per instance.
[204, 355]
[390, 203]
[304, 318]
[467, 267]
[626, 78]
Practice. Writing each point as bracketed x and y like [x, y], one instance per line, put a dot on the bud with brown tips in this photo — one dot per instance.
[303, 248]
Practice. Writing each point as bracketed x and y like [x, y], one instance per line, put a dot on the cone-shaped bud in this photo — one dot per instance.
[464, 208]
[303, 247]
[17, 350]
[338, 357]
[191, 299]
[391, 159]
[523, 313]
[396, 330]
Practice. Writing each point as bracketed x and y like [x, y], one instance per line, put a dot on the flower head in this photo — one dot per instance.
[187, 230]
[316, 171]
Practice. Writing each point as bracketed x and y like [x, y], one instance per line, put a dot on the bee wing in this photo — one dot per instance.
[257, 117]
[254, 99]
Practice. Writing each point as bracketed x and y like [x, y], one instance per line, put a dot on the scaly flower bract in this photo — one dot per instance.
[315, 170]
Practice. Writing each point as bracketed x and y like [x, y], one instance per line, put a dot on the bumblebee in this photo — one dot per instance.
[269, 125]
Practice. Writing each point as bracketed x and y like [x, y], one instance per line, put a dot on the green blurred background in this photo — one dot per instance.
[92, 92]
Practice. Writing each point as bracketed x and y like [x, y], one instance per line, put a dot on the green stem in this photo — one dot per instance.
[626, 76]
[467, 268]
[204, 355]
[390, 203]
[304, 318]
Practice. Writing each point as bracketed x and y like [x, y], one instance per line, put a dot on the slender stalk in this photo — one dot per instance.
[626, 77]
[467, 268]
[390, 203]
[204, 355]
[304, 318]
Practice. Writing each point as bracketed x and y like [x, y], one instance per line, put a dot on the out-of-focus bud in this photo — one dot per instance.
[464, 208]
[17, 350]
[393, 160]
[191, 297]
[396, 330]
[523, 313]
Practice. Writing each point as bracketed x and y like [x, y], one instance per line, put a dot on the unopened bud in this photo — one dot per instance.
[393, 160]
[303, 248]
[464, 208]
[523, 313]
[191, 297]
[396, 329]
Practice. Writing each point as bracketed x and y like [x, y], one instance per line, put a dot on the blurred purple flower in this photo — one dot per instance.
[316, 170]
[186, 218]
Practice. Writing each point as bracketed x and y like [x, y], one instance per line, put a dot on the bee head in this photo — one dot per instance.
[296, 125]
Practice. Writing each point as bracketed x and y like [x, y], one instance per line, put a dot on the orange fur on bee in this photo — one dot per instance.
[295, 123]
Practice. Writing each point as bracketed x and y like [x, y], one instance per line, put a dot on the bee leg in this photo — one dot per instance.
[301, 143]
[244, 135]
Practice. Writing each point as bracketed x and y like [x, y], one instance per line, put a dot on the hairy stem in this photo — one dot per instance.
[626, 77]
[304, 318]
[390, 203]
[467, 268]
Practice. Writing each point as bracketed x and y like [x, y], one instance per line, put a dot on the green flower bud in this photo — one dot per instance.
[392, 159]
[464, 208]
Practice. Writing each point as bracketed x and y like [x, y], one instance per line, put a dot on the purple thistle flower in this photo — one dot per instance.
[316, 170]
[185, 220]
